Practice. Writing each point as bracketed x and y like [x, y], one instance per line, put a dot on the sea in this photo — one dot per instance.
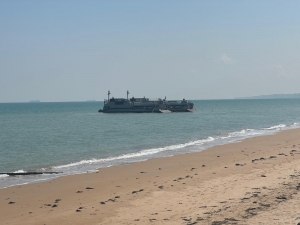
[73, 138]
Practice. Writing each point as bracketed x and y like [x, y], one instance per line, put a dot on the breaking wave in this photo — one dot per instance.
[192, 146]
[91, 165]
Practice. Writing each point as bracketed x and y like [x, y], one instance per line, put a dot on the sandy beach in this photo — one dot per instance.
[255, 181]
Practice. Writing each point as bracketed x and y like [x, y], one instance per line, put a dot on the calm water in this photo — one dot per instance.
[75, 138]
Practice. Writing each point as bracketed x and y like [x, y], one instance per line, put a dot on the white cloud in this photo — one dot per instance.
[193, 71]
[279, 71]
[227, 60]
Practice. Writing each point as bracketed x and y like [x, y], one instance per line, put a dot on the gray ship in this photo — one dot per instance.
[144, 105]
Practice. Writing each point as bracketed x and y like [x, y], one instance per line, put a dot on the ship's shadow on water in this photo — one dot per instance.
[75, 138]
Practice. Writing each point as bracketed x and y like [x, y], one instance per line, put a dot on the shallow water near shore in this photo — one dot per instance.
[74, 138]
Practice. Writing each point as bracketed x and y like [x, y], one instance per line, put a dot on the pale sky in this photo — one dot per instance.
[78, 50]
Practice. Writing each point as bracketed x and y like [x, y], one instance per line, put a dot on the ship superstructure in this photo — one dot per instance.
[144, 105]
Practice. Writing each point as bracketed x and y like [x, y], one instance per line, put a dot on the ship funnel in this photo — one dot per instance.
[108, 93]
[127, 94]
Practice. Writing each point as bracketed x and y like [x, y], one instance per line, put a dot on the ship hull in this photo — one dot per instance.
[129, 111]
[180, 107]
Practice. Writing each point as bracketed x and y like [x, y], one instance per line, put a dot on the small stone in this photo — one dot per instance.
[265, 205]
[281, 197]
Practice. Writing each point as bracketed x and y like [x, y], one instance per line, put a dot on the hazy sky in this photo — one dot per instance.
[78, 50]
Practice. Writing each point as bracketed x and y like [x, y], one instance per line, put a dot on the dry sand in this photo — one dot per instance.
[256, 181]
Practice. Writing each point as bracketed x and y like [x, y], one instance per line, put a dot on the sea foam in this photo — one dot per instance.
[197, 145]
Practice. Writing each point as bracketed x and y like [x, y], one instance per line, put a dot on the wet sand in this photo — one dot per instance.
[255, 181]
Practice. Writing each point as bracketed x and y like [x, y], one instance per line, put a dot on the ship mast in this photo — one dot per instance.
[108, 95]
[127, 94]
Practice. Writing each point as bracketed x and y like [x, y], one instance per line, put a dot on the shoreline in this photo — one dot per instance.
[244, 182]
[91, 165]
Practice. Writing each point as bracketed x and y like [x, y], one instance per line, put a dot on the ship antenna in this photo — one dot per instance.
[127, 94]
[108, 94]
